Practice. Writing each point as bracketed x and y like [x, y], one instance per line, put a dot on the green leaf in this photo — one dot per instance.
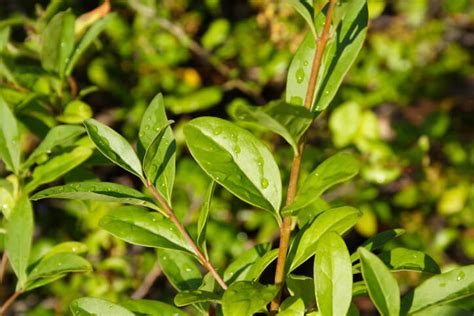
[149, 307]
[139, 226]
[382, 286]
[237, 160]
[75, 112]
[359, 288]
[67, 247]
[245, 298]
[185, 298]
[303, 246]
[180, 269]
[334, 170]
[240, 268]
[57, 43]
[199, 100]
[97, 191]
[19, 233]
[292, 306]
[378, 241]
[203, 215]
[284, 119]
[260, 265]
[9, 138]
[403, 259]
[332, 275]
[57, 136]
[303, 287]
[113, 146]
[91, 306]
[86, 40]
[340, 53]
[159, 152]
[55, 266]
[440, 290]
[305, 9]
[58, 166]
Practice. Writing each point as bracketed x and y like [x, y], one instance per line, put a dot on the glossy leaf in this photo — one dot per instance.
[185, 298]
[86, 40]
[305, 9]
[292, 306]
[439, 290]
[303, 287]
[57, 43]
[55, 266]
[9, 138]
[97, 191]
[181, 269]
[239, 269]
[332, 275]
[303, 246]
[139, 226]
[260, 265]
[282, 118]
[378, 241]
[19, 233]
[340, 53]
[67, 247]
[91, 306]
[334, 170]
[58, 166]
[57, 136]
[245, 298]
[159, 151]
[152, 307]
[113, 146]
[382, 286]
[403, 259]
[203, 215]
[237, 160]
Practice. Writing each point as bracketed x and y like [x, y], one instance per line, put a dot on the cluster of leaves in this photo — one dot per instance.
[38, 92]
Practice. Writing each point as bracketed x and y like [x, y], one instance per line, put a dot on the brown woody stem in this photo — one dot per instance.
[285, 229]
[9, 302]
[168, 211]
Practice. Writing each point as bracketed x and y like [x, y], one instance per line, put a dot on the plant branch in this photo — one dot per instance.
[147, 283]
[285, 229]
[202, 258]
[3, 266]
[9, 302]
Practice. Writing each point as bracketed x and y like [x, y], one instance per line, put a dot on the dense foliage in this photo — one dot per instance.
[148, 154]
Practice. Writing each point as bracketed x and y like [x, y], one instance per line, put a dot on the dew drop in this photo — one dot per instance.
[217, 131]
[327, 92]
[305, 63]
[74, 249]
[264, 183]
[236, 149]
[140, 134]
[188, 270]
[460, 276]
[146, 127]
[295, 100]
[299, 75]
[442, 284]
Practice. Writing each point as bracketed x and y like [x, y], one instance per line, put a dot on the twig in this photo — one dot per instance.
[147, 283]
[205, 262]
[3, 266]
[285, 229]
[9, 302]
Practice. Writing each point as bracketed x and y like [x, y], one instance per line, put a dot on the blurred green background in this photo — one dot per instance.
[406, 109]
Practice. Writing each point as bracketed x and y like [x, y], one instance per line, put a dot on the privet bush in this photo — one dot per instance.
[142, 213]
